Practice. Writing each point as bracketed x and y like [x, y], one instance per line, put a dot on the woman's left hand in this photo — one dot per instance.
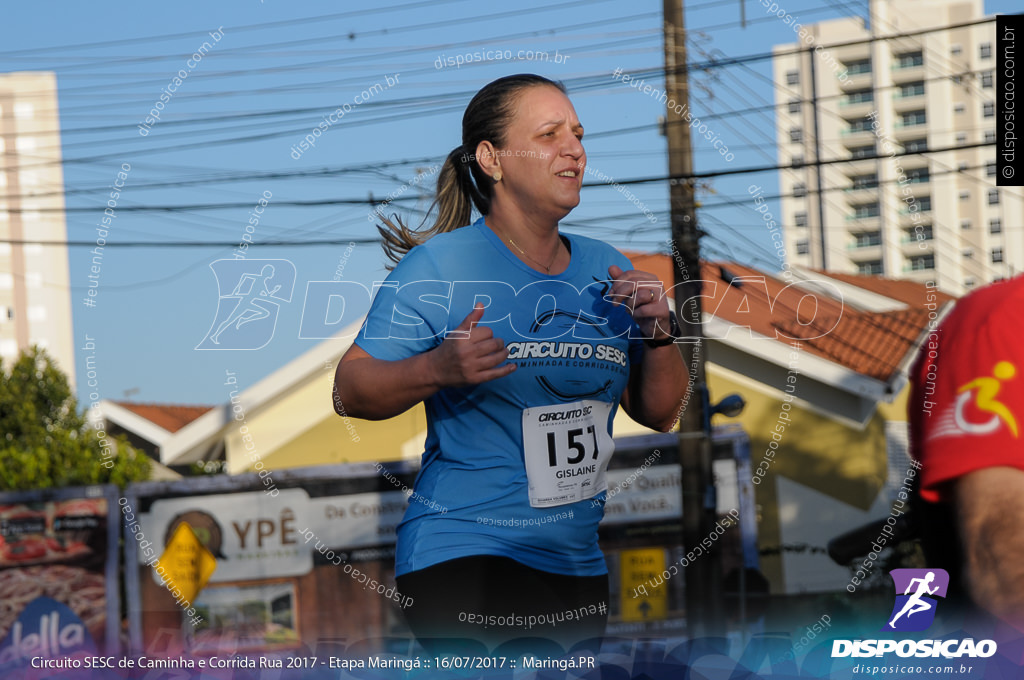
[644, 296]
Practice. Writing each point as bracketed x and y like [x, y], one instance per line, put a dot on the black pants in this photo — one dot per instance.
[494, 600]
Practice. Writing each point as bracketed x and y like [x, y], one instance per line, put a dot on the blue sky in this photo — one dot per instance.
[227, 136]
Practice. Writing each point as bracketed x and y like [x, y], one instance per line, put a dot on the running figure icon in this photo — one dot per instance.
[915, 604]
[250, 305]
[250, 296]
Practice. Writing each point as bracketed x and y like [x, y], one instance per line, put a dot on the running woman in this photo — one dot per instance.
[522, 342]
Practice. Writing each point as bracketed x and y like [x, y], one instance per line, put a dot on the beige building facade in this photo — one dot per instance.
[899, 110]
[35, 299]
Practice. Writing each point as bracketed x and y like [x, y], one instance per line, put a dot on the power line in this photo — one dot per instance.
[367, 201]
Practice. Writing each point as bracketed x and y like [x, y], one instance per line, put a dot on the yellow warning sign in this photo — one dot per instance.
[642, 601]
[187, 562]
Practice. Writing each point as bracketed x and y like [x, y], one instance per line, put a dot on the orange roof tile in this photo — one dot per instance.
[171, 417]
[873, 344]
[908, 292]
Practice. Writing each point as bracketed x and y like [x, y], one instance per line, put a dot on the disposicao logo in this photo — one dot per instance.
[914, 611]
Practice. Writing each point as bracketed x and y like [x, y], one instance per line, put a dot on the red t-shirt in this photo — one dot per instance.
[966, 408]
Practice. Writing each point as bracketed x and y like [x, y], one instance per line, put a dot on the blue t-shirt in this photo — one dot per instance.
[570, 345]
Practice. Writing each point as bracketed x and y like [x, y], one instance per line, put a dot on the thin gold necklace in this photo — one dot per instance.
[547, 267]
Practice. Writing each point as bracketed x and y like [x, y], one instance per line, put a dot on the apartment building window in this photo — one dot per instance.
[796, 135]
[955, 50]
[961, 166]
[961, 137]
[792, 77]
[968, 253]
[959, 108]
[988, 110]
[858, 67]
[797, 160]
[920, 233]
[800, 219]
[862, 152]
[965, 225]
[869, 181]
[799, 190]
[924, 203]
[965, 195]
[922, 262]
[794, 106]
[987, 79]
[990, 136]
[918, 175]
[870, 267]
[8, 348]
[24, 110]
[909, 59]
[993, 196]
[985, 50]
[915, 145]
[997, 255]
[969, 282]
[995, 226]
[859, 125]
[866, 239]
[860, 97]
[990, 169]
[911, 90]
[803, 247]
[865, 210]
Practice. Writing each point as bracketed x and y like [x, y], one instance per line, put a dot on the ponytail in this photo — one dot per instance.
[462, 184]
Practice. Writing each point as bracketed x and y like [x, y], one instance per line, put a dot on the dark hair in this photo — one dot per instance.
[462, 184]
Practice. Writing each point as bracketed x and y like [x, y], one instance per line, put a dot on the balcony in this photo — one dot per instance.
[908, 99]
[868, 266]
[853, 138]
[862, 222]
[910, 128]
[857, 104]
[860, 194]
[856, 81]
[923, 208]
[907, 69]
[911, 247]
[864, 241]
[919, 263]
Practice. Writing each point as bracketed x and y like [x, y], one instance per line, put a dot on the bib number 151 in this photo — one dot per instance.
[573, 443]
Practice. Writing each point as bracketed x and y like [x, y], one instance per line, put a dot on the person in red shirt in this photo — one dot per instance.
[966, 415]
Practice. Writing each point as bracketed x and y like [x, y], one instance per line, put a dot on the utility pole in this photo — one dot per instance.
[702, 576]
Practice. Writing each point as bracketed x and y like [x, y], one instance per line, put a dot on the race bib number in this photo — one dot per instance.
[567, 448]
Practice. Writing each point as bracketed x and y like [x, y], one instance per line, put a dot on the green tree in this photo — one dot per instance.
[46, 442]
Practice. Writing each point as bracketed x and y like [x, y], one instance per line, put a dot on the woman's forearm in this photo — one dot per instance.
[376, 389]
[658, 386]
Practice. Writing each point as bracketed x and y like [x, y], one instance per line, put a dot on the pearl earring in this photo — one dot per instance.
[497, 175]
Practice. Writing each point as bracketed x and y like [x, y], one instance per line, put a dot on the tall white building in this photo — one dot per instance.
[916, 77]
[35, 298]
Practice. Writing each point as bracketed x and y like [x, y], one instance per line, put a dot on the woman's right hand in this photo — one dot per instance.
[470, 354]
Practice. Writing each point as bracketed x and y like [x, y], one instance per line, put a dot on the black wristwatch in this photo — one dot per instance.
[673, 334]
